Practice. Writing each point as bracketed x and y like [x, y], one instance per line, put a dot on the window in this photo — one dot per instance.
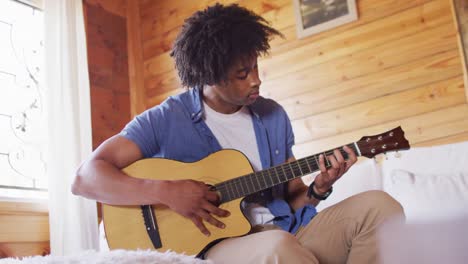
[22, 111]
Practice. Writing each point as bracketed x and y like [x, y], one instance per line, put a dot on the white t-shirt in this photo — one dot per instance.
[236, 131]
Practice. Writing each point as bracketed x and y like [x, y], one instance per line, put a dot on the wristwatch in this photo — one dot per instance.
[311, 193]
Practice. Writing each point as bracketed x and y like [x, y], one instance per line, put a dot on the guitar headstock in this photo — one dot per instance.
[391, 140]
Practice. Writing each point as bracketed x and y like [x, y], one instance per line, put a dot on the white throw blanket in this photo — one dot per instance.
[112, 257]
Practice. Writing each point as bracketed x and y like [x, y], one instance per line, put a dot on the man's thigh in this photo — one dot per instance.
[272, 246]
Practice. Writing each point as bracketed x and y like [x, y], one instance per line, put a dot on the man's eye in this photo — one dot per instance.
[243, 76]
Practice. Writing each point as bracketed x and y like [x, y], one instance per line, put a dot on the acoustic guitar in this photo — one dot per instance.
[232, 177]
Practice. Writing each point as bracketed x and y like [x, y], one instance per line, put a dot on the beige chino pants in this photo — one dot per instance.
[342, 233]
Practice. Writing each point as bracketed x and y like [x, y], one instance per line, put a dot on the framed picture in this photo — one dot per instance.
[314, 16]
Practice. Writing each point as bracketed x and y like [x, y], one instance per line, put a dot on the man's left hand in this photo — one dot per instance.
[339, 166]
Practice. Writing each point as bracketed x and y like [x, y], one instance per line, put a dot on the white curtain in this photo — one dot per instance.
[73, 220]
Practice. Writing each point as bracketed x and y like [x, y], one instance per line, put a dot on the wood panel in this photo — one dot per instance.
[460, 12]
[116, 7]
[24, 229]
[395, 106]
[380, 60]
[135, 59]
[425, 71]
[106, 32]
[24, 249]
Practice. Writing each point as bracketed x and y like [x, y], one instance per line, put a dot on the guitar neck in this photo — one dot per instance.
[261, 180]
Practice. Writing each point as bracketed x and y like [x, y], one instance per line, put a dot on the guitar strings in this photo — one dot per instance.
[297, 165]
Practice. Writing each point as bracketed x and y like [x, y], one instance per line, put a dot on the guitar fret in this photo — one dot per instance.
[327, 162]
[262, 178]
[273, 178]
[300, 169]
[279, 175]
[308, 165]
[247, 190]
[223, 193]
[240, 187]
[268, 178]
[316, 161]
[259, 186]
[291, 169]
[228, 193]
[284, 172]
[296, 171]
[252, 183]
[236, 186]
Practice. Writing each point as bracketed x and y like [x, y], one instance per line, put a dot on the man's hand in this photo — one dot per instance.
[339, 166]
[194, 200]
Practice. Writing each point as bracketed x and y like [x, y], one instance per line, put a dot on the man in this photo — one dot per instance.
[216, 56]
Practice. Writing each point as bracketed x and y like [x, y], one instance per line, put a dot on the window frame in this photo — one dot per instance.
[6, 200]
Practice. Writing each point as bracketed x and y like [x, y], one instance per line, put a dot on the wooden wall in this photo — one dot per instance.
[24, 229]
[461, 12]
[106, 31]
[399, 64]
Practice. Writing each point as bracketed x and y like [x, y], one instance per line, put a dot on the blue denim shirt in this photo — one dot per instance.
[175, 130]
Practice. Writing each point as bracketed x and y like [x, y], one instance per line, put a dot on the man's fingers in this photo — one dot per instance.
[323, 168]
[334, 171]
[199, 223]
[210, 219]
[352, 158]
[351, 155]
[212, 196]
[334, 163]
[341, 162]
[212, 209]
[339, 157]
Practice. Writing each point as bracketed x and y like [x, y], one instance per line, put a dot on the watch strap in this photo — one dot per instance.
[311, 193]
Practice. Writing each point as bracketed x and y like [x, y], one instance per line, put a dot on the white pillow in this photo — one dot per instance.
[429, 197]
[443, 159]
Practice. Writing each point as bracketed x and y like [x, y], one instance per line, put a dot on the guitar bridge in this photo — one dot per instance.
[151, 225]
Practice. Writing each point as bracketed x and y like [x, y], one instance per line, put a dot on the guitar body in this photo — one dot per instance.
[125, 226]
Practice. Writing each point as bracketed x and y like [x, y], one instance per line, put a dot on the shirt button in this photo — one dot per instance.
[276, 152]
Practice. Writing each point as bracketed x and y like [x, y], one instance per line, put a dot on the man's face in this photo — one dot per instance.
[242, 85]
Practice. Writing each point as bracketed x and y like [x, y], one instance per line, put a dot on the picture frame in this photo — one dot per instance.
[314, 16]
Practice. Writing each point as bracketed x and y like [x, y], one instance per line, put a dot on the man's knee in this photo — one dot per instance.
[280, 240]
[382, 203]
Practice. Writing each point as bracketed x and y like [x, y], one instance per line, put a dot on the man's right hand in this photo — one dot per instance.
[194, 200]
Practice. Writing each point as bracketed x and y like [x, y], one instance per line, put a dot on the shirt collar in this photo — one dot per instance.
[196, 106]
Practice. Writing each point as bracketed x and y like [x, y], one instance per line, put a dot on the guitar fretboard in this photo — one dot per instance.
[261, 180]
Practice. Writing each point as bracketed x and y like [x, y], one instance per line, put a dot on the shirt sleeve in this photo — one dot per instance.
[289, 136]
[142, 131]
